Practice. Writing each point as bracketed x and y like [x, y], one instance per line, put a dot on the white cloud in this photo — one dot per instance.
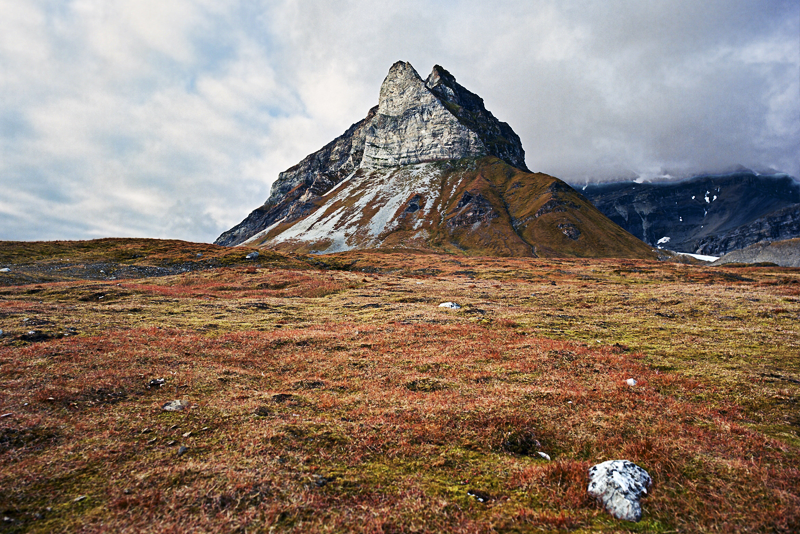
[171, 119]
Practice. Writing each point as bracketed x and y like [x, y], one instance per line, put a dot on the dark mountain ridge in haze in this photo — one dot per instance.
[707, 214]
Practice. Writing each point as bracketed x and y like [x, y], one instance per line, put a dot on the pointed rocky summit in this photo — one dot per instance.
[429, 168]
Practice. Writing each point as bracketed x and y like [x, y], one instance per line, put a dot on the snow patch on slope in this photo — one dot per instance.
[701, 257]
[379, 192]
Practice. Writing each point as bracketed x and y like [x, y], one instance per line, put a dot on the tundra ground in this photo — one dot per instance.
[331, 394]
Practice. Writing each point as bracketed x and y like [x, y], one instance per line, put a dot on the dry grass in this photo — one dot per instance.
[346, 400]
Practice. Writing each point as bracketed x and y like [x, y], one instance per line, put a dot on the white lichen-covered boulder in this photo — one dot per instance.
[618, 485]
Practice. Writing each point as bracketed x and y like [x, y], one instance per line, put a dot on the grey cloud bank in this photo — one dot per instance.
[171, 119]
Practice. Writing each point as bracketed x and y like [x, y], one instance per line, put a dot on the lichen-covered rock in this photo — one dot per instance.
[618, 485]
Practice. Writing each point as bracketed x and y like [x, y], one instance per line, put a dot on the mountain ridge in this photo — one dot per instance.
[706, 214]
[429, 168]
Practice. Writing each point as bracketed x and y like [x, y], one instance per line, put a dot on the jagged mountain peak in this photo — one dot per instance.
[434, 119]
[413, 125]
[498, 137]
[428, 168]
[399, 89]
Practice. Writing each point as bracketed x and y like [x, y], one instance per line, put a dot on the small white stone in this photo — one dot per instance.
[451, 305]
[175, 406]
[5, 270]
[631, 382]
[544, 455]
[253, 255]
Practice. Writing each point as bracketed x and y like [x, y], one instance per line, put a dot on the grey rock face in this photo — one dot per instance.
[415, 121]
[498, 137]
[783, 253]
[775, 226]
[618, 485]
[413, 126]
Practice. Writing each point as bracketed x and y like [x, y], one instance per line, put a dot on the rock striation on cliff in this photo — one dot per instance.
[428, 168]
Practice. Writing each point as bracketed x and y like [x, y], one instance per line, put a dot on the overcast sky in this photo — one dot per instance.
[171, 118]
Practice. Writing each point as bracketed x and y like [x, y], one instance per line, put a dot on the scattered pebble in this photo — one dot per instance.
[1, 333]
[183, 450]
[156, 383]
[320, 480]
[544, 455]
[253, 255]
[172, 443]
[79, 499]
[631, 382]
[450, 305]
[5, 270]
[175, 406]
[186, 434]
[9, 414]
[478, 495]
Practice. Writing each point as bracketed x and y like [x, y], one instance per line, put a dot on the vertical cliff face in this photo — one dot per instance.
[429, 168]
[413, 126]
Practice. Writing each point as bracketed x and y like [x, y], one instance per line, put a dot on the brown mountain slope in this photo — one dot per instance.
[472, 206]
